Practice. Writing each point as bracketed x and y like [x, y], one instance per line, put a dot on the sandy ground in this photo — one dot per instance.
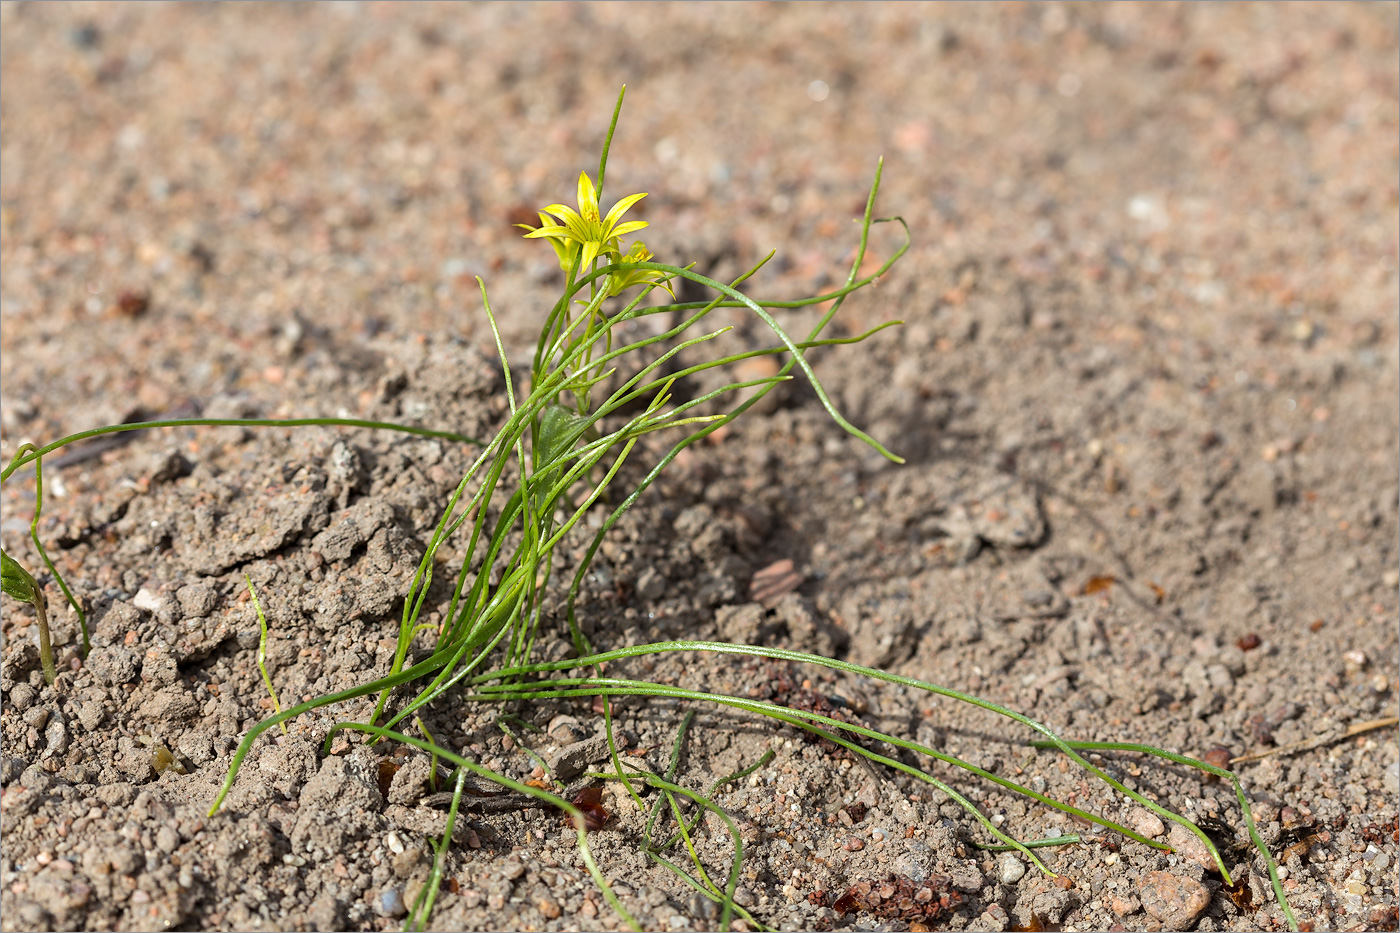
[1147, 389]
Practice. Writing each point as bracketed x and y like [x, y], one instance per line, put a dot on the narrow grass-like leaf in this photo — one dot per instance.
[262, 648]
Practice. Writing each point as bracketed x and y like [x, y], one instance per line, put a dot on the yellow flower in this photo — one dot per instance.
[593, 233]
[619, 282]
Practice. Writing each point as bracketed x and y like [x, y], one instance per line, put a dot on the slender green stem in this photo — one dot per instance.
[40, 605]
[427, 895]
[1219, 772]
[566, 688]
[672, 788]
[262, 649]
[739, 775]
[539, 794]
[607, 140]
[702, 890]
[393, 680]
[671, 770]
[679, 817]
[847, 667]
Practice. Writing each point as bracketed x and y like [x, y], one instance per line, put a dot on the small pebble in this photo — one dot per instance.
[391, 903]
[1218, 755]
[22, 696]
[1189, 846]
[1122, 906]
[1145, 823]
[1174, 901]
[145, 599]
[1011, 868]
[36, 778]
[56, 736]
[394, 843]
[854, 844]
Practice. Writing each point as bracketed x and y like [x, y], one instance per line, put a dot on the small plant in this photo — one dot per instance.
[18, 583]
[594, 394]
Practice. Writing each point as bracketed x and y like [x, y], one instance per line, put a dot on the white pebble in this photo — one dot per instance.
[391, 903]
[394, 843]
[145, 599]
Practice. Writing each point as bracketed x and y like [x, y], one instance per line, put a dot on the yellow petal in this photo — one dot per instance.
[632, 226]
[590, 252]
[551, 231]
[621, 207]
[561, 211]
[587, 197]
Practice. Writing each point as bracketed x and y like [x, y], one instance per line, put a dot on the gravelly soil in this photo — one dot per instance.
[1147, 388]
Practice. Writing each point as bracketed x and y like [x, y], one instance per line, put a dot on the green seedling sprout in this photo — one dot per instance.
[670, 775]
[29, 453]
[262, 649]
[18, 583]
[578, 425]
